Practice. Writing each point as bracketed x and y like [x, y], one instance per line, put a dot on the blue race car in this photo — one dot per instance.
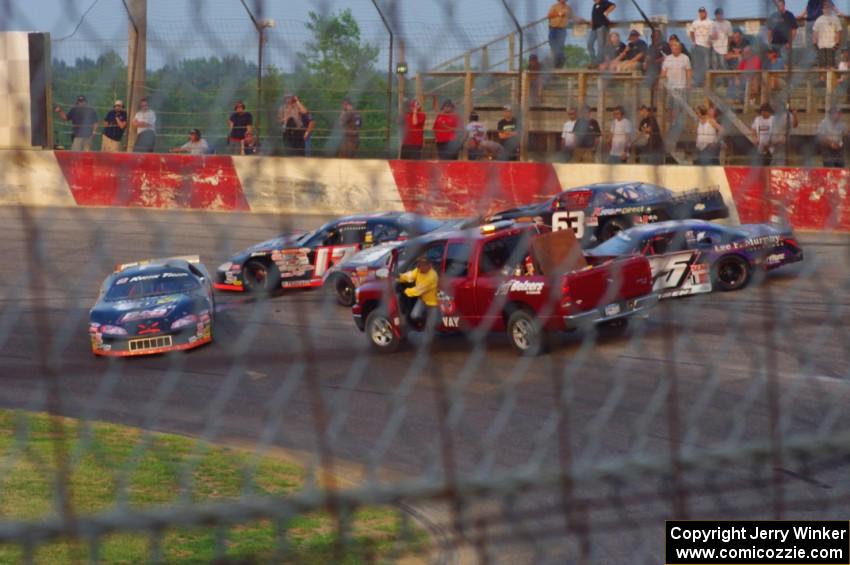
[152, 307]
[694, 256]
[597, 212]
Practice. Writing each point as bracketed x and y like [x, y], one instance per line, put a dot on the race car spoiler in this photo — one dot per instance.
[194, 259]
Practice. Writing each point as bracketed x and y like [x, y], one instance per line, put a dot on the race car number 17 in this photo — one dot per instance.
[567, 219]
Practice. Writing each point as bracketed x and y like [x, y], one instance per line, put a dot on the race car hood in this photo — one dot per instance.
[130, 314]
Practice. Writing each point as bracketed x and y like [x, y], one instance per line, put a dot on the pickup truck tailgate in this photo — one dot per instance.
[612, 281]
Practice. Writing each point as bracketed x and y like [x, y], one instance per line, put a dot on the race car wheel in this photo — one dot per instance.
[344, 290]
[379, 329]
[259, 276]
[525, 333]
[611, 228]
[731, 273]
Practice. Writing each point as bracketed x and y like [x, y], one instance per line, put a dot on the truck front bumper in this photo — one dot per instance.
[610, 312]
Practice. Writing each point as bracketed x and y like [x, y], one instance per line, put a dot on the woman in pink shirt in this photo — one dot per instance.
[414, 132]
[447, 126]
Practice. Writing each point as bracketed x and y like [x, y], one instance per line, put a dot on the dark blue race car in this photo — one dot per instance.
[694, 256]
[153, 306]
[598, 212]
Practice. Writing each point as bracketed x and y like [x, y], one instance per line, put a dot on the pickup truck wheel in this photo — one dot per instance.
[731, 273]
[260, 277]
[611, 228]
[525, 333]
[379, 329]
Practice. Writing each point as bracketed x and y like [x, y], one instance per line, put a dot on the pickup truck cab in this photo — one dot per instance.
[508, 276]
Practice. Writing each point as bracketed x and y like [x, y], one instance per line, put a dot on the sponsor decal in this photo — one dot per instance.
[451, 321]
[699, 207]
[527, 287]
[158, 312]
[775, 258]
[760, 242]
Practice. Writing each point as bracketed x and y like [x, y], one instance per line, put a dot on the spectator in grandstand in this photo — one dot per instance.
[676, 69]
[113, 128]
[783, 122]
[447, 128]
[844, 75]
[195, 145]
[349, 123]
[658, 49]
[631, 59]
[775, 62]
[751, 66]
[675, 38]
[781, 27]
[762, 132]
[708, 138]
[477, 144]
[813, 11]
[721, 33]
[250, 145]
[599, 26]
[831, 135]
[560, 16]
[508, 130]
[612, 53]
[649, 144]
[700, 34]
[239, 122]
[735, 54]
[826, 36]
[145, 123]
[536, 90]
[620, 138]
[588, 134]
[296, 124]
[413, 131]
[83, 118]
[568, 135]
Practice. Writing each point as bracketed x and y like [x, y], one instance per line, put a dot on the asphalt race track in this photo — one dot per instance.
[462, 411]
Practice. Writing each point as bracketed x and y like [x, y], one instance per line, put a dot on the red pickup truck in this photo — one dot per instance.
[506, 276]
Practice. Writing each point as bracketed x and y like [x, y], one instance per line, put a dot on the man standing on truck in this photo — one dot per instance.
[425, 284]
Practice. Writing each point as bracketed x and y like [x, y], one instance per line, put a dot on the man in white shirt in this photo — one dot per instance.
[676, 68]
[721, 31]
[782, 123]
[700, 32]
[195, 145]
[826, 36]
[762, 130]
[145, 123]
[831, 134]
[568, 134]
[621, 137]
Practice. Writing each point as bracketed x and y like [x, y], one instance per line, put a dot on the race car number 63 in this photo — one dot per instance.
[569, 219]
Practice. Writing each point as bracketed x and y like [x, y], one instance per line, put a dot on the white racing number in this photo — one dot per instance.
[569, 219]
[327, 256]
[669, 271]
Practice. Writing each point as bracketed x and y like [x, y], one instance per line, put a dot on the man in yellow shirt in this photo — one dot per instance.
[559, 16]
[425, 285]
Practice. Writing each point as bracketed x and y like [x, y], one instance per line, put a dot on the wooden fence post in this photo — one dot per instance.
[524, 116]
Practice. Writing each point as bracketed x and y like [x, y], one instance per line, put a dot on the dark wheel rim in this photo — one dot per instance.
[731, 273]
[345, 291]
[256, 275]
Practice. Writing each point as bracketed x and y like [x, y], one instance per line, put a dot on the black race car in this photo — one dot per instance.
[597, 212]
[153, 306]
[301, 259]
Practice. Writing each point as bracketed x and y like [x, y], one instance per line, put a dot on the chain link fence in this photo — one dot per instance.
[287, 439]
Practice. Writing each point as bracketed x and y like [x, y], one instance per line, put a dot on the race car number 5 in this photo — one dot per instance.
[569, 219]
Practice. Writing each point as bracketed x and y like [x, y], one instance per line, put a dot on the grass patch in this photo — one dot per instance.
[113, 466]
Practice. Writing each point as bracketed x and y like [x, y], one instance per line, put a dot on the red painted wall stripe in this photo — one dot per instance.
[153, 180]
[456, 188]
[811, 199]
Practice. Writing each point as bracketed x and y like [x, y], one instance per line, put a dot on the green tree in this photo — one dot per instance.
[577, 57]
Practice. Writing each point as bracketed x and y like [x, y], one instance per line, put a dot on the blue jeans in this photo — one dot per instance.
[557, 38]
[596, 44]
[701, 60]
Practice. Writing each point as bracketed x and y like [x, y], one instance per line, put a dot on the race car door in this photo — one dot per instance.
[457, 297]
[670, 260]
[305, 266]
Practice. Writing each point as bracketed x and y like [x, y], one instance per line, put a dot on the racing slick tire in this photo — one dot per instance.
[260, 277]
[380, 333]
[526, 333]
[343, 290]
[611, 228]
[730, 273]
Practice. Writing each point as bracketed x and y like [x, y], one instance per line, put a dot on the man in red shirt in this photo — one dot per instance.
[447, 128]
[751, 63]
[414, 132]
